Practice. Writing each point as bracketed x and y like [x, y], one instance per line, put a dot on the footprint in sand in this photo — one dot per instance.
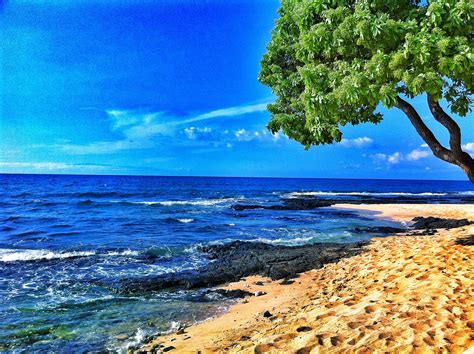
[262, 348]
[336, 340]
[304, 329]
[370, 308]
[305, 350]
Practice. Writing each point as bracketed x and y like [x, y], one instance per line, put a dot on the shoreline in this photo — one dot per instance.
[416, 287]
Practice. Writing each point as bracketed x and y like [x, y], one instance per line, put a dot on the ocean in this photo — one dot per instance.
[67, 243]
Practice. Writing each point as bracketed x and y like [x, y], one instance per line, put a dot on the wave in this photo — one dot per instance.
[62, 234]
[295, 241]
[138, 339]
[180, 220]
[285, 241]
[100, 194]
[28, 255]
[303, 240]
[199, 202]
[28, 233]
[42, 202]
[85, 202]
[378, 194]
[11, 255]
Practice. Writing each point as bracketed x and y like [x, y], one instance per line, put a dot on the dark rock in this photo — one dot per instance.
[239, 259]
[288, 204]
[181, 331]
[287, 281]
[306, 203]
[379, 230]
[234, 294]
[431, 222]
[259, 283]
[466, 241]
[267, 314]
[240, 207]
[423, 233]
[260, 293]
[167, 349]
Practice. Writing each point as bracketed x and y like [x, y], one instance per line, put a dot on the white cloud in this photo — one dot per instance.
[195, 133]
[121, 118]
[36, 165]
[392, 159]
[251, 135]
[380, 157]
[49, 166]
[397, 157]
[140, 129]
[469, 147]
[243, 135]
[417, 154]
[228, 112]
[357, 142]
[424, 146]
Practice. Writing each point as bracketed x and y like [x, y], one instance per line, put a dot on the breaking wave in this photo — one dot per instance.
[28, 255]
[377, 194]
[203, 202]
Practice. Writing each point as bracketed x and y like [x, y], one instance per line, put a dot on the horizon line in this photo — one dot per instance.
[208, 176]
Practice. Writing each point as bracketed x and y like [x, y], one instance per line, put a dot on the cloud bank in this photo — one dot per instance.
[143, 130]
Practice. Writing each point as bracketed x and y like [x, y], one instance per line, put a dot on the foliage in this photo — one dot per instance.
[331, 62]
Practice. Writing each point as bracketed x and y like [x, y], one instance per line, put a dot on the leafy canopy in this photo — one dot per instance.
[331, 62]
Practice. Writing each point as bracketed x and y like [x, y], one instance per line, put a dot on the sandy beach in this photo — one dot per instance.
[404, 294]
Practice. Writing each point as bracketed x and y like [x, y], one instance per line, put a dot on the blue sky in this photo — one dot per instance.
[170, 88]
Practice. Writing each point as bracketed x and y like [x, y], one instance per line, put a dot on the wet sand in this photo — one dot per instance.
[405, 294]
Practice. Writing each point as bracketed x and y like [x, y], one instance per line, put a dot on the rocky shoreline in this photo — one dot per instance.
[399, 294]
[308, 202]
[236, 260]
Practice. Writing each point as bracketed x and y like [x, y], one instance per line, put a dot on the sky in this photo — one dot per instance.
[169, 87]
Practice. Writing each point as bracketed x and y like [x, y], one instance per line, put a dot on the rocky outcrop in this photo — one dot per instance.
[288, 204]
[422, 223]
[378, 230]
[233, 261]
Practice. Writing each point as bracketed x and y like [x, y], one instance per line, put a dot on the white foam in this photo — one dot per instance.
[285, 241]
[185, 221]
[382, 194]
[11, 255]
[137, 339]
[121, 253]
[201, 202]
[15, 255]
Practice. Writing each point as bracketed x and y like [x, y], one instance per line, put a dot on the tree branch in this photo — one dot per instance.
[462, 158]
[426, 134]
[454, 131]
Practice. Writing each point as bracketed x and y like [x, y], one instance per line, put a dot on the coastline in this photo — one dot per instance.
[404, 293]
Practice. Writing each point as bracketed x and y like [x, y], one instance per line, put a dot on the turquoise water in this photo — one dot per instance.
[67, 243]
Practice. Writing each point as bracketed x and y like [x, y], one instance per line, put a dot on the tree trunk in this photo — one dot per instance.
[455, 155]
[463, 159]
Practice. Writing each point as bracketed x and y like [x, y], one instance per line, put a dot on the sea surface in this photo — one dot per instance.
[67, 242]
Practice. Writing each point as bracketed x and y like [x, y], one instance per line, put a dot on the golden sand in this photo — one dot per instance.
[405, 294]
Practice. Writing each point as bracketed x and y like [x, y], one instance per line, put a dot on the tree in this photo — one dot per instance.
[331, 62]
